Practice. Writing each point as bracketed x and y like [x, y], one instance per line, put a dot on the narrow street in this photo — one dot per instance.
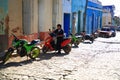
[97, 61]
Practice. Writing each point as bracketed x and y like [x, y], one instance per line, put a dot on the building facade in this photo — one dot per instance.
[108, 14]
[30, 16]
[26, 17]
[10, 20]
[40, 16]
[110, 8]
[66, 16]
[106, 18]
[93, 16]
[78, 11]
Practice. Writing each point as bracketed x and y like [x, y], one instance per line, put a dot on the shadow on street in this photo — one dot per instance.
[75, 46]
[47, 56]
[15, 64]
[108, 42]
[42, 56]
[87, 42]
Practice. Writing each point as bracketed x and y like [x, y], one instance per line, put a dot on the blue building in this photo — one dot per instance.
[78, 10]
[93, 16]
[66, 16]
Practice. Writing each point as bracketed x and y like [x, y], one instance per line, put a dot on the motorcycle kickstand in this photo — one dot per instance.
[27, 57]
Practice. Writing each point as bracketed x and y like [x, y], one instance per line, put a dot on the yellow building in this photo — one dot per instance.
[25, 17]
[106, 18]
[11, 19]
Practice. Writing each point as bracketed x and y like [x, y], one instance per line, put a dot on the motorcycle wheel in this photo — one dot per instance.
[44, 49]
[77, 43]
[22, 52]
[67, 49]
[35, 51]
[7, 56]
[92, 40]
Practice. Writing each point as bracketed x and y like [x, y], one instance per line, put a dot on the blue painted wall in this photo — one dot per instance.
[78, 8]
[94, 17]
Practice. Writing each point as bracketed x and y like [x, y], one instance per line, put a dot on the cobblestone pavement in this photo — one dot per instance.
[97, 61]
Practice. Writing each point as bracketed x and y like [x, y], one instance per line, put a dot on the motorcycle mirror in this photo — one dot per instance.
[49, 29]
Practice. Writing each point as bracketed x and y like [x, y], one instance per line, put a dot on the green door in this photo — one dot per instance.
[79, 21]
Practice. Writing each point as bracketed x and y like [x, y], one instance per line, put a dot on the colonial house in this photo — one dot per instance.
[28, 19]
[66, 16]
[93, 16]
[106, 18]
[108, 15]
[10, 20]
[78, 11]
[41, 15]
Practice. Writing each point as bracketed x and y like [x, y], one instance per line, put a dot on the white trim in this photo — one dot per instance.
[94, 8]
[96, 1]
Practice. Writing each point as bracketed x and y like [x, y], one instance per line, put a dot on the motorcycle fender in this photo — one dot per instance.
[65, 42]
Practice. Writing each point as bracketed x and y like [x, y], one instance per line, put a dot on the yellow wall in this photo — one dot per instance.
[32, 16]
[15, 16]
[107, 18]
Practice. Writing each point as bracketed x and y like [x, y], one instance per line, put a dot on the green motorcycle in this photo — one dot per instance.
[75, 39]
[23, 48]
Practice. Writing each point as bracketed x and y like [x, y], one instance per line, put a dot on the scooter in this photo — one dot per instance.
[23, 48]
[50, 45]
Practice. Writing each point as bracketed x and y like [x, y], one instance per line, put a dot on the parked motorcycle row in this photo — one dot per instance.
[32, 50]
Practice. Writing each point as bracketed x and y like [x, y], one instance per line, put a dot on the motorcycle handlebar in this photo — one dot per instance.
[52, 34]
[14, 36]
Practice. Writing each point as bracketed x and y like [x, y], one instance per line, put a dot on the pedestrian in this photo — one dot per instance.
[60, 34]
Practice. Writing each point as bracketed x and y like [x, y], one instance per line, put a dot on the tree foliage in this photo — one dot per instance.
[117, 20]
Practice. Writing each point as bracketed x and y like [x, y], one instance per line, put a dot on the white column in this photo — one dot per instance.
[45, 15]
[57, 12]
[30, 16]
[26, 17]
[34, 16]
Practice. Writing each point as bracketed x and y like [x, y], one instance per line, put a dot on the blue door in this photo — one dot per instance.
[66, 23]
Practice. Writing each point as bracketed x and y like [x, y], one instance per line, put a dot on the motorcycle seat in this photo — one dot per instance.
[34, 42]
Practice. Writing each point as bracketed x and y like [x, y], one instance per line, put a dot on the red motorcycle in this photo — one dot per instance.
[50, 45]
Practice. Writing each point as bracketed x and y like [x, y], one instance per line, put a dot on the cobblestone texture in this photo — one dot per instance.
[97, 61]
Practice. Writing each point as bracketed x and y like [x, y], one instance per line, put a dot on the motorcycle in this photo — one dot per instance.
[23, 48]
[75, 39]
[50, 45]
[87, 37]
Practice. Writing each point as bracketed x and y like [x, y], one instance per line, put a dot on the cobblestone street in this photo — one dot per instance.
[97, 61]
